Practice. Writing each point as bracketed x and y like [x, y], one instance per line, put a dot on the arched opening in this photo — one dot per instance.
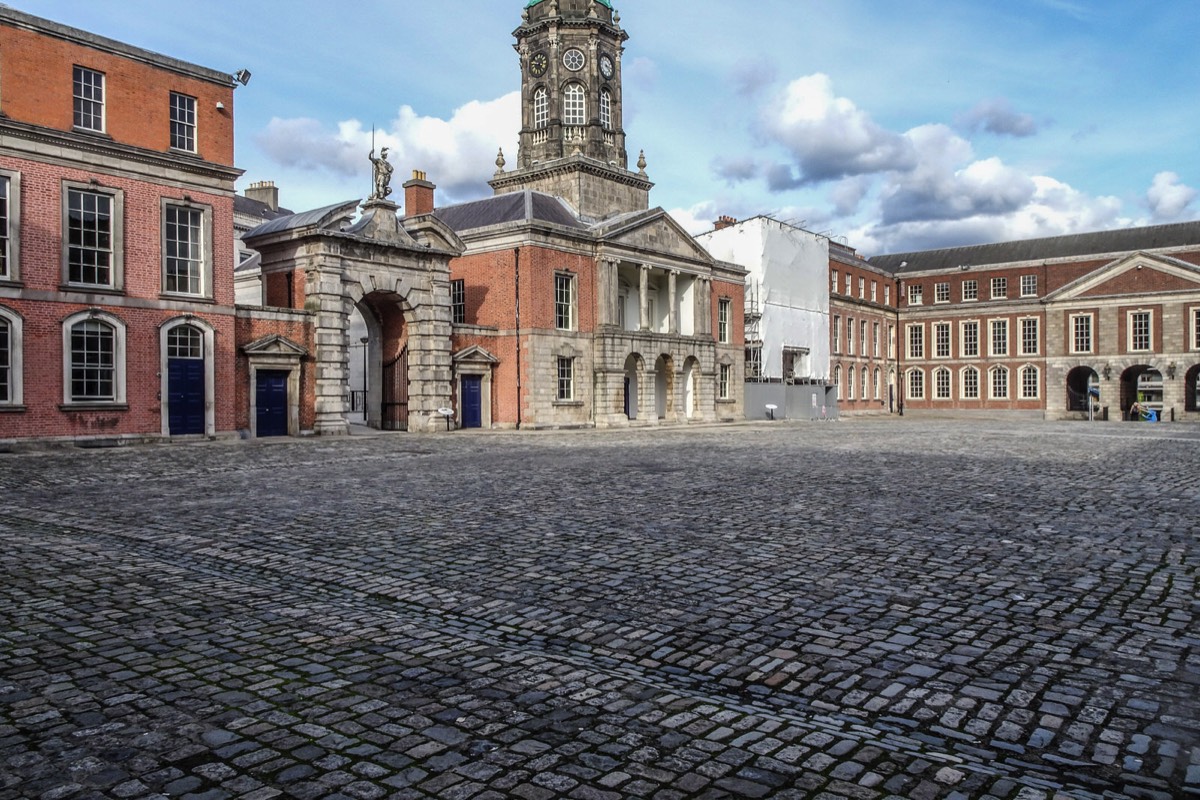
[664, 386]
[385, 357]
[690, 394]
[633, 371]
[1080, 382]
[1143, 385]
[358, 346]
[1192, 389]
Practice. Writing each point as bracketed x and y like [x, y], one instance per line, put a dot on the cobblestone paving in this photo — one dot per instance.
[856, 610]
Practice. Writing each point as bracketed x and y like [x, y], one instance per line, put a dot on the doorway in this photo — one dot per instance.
[271, 402]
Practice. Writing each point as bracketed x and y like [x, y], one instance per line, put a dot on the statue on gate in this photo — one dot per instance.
[383, 174]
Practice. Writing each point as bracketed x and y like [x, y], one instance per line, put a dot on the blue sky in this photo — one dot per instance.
[897, 124]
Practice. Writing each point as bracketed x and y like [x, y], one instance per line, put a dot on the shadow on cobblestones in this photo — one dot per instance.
[909, 609]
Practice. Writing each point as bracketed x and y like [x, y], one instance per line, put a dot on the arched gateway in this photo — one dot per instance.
[397, 274]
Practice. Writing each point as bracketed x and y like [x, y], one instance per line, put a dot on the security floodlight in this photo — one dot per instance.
[242, 76]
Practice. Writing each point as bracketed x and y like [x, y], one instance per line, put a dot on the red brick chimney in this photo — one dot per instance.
[418, 195]
[724, 222]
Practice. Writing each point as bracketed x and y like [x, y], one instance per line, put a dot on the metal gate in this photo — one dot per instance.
[395, 393]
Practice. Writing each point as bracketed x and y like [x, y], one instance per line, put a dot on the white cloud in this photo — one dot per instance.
[1169, 199]
[827, 137]
[998, 116]
[696, 219]
[457, 154]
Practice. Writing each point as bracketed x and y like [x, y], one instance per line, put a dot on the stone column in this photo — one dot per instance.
[673, 307]
[324, 295]
[644, 297]
[607, 291]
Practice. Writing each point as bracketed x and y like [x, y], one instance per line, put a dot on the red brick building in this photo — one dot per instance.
[116, 239]
[862, 333]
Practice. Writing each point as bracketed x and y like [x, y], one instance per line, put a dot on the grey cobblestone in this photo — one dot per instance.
[862, 610]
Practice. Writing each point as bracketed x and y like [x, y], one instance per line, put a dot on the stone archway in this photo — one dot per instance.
[1080, 382]
[664, 386]
[634, 366]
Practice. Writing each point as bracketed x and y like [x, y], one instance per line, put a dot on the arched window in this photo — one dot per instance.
[10, 358]
[541, 108]
[916, 384]
[970, 383]
[185, 341]
[606, 109]
[574, 105]
[876, 379]
[941, 384]
[837, 381]
[999, 383]
[94, 359]
[850, 384]
[1030, 383]
[866, 382]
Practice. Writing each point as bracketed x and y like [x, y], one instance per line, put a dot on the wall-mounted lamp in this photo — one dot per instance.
[242, 76]
[1171, 370]
[220, 106]
[1107, 370]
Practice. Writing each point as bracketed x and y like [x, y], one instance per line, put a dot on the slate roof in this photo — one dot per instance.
[1126, 240]
[304, 220]
[257, 209]
[525, 206]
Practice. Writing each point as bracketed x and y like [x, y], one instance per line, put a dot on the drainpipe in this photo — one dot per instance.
[517, 270]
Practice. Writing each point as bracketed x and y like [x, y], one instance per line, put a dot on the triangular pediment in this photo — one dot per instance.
[274, 344]
[475, 355]
[1133, 274]
[652, 232]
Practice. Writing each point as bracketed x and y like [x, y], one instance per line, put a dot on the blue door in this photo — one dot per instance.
[271, 404]
[185, 396]
[472, 401]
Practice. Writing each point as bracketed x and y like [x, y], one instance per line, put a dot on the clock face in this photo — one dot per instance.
[606, 66]
[574, 60]
[538, 63]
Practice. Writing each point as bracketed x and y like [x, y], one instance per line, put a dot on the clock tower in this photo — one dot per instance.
[572, 134]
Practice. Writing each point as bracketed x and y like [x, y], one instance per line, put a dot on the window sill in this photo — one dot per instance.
[568, 404]
[728, 401]
[98, 405]
[191, 298]
[12, 409]
[91, 132]
[10, 283]
[179, 151]
[83, 288]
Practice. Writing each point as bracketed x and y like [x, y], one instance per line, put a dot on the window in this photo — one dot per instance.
[941, 293]
[566, 378]
[970, 290]
[887, 295]
[1029, 336]
[1030, 383]
[915, 294]
[999, 337]
[1140, 340]
[93, 358]
[862, 288]
[1196, 328]
[93, 230]
[941, 384]
[754, 362]
[606, 109]
[1081, 333]
[185, 341]
[837, 381]
[866, 381]
[916, 341]
[970, 384]
[941, 339]
[875, 339]
[849, 336]
[999, 383]
[916, 384]
[10, 208]
[564, 301]
[541, 108]
[874, 291]
[875, 380]
[970, 339]
[850, 376]
[184, 251]
[891, 341]
[724, 327]
[833, 282]
[574, 106]
[10, 358]
[836, 328]
[1029, 286]
[89, 99]
[999, 288]
[723, 382]
[458, 301]
[862, 336]
[183, 122]
[849, 279]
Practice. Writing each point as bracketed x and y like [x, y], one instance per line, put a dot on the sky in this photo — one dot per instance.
[888, 125]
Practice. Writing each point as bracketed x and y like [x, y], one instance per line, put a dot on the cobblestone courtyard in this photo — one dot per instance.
[868, 609]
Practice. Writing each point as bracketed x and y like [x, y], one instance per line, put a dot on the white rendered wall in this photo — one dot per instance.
[792, 267]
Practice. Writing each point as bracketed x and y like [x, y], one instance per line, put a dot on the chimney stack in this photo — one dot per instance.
[724, 222]
[418, 195]
[264, 192]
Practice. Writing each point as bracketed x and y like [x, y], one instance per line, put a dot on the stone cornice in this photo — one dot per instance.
[99, 145]
[565, 166]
